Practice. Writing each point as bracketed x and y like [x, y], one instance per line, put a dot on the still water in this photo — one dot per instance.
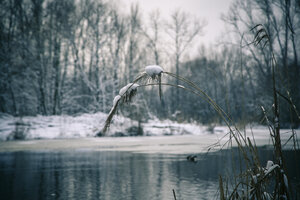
[113, 175]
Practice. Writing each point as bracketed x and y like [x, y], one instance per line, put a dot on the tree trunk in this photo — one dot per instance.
[37, 12]
[64, 75]
[56, 66]
[177, 80]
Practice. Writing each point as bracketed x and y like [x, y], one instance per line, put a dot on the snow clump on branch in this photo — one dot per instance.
[153, 70]
[128, 88]
[116, 100]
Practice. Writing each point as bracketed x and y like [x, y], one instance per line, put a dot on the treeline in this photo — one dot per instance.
[238, 76]
[66, 56]
[69, 57]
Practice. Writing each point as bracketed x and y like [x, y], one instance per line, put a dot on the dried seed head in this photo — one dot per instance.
[128, 92]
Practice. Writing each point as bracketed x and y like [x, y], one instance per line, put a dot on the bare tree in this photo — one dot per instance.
[183, 32]
[117, 40]
[280, 19]
[133, 41]
[153, 35]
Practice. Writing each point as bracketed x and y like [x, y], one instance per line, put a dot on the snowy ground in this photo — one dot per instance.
[79, 133]
[86, 125]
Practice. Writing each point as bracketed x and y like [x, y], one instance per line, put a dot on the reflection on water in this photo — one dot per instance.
[113, 175]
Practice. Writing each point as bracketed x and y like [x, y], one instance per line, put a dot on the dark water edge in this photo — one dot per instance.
[121, 175]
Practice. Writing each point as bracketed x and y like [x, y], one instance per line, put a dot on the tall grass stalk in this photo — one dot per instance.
[281, 189]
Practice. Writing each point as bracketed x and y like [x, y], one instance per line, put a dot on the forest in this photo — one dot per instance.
[72, 57]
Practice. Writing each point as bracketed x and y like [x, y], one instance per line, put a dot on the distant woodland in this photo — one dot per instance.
[73, 56]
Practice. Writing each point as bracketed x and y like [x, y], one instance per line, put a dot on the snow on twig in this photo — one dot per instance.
[153, 70]
[128, 88]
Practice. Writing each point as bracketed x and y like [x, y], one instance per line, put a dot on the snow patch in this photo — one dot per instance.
[168, 127]
[268, 171]
[269, 164]
[64, 126]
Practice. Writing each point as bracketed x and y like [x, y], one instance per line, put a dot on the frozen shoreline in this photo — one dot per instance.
[43, 133]
[88, 125]
[176, 144]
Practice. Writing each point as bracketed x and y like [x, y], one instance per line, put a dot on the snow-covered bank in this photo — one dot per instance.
[49, 127]
[85, 125]
[88, 125]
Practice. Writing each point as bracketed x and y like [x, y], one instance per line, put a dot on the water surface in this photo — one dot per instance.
[80, 174]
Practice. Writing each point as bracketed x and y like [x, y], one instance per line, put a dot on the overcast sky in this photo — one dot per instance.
[210, 10]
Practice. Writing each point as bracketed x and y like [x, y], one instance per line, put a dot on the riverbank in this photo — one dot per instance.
[89, 125]
[176, 144]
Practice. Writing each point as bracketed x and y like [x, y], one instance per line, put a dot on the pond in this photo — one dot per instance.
[87, 174]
